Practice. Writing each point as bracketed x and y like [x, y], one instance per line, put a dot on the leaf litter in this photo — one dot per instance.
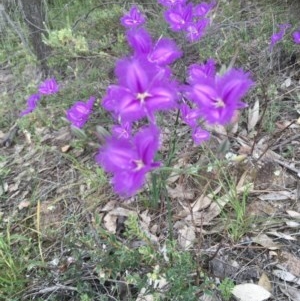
[47, 175]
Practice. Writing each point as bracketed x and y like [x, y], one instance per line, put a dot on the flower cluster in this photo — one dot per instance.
[192, 19]
[217, 97]
[212, 97]
[48, 87]
[145, 85]
[278, 36]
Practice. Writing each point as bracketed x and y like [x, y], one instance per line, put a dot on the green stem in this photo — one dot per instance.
[173, 141]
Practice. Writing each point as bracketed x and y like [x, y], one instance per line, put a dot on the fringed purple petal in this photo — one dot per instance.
[199, 135]
[195, 30]
[117, 155]
[296, 37]
[140, 40]
[49, 86]
[171, 3]
[133, 18]
[233, 86]
[32, 102]
[147, 143]
[179, 16]
[80, 112]
[133, 74]
[165, 52]
[197, 72]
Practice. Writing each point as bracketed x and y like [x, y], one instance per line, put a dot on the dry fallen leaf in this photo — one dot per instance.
[145, 227]
[186, 237]
[250, 292]
[109, 206]
[253, 116]
[286, 83]
[217, 128]
[265, 282]
[206, 297]
[146, 218]
[293, 214]
[281, 235]
[290, 263]
[3, 188]
[23, 204]
[260, 208]
[175, 174]
[283, 124]
[291, 292]
[65, 148]
[201, 203]
[110, 222]
[27, 136]
[292, 224]
[110, 219]
[180, 192]
[143, 297]
[286, 276]
[206, 216]
[265, 241]
[277, 196]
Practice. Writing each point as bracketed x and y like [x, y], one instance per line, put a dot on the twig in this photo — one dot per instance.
[286, 165]
[56, 288]
[89, 12]
[285, 142]
[51, 289]
[261, 119]
[9, 137]
[269, 146]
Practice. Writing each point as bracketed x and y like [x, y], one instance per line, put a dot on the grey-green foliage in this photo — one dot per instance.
[225, 288]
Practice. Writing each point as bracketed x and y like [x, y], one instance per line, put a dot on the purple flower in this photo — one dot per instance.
[143, 88]
[202, 9]
[199, 135]
[170, 3]
[79, 113]
[49, 86]
[195, 30]
[278, 36]
[164, 52]
[179, 16]
[122, 131]
[190, 116]
[130, 160]
[296, 37]
[133, 18]
[198, 71]
[284, 26]
[219, 97]
[32, 102]
[140, 40]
